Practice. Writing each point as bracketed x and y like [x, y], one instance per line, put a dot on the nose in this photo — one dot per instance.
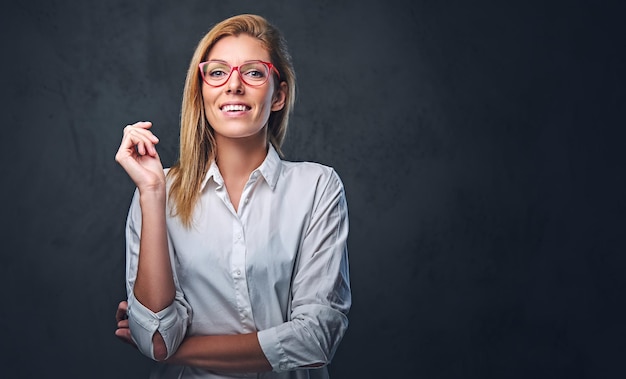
[234, 83]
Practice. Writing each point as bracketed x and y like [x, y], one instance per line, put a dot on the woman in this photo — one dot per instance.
[236, 260]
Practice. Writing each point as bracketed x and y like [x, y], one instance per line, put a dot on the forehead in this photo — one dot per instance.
[238, 49]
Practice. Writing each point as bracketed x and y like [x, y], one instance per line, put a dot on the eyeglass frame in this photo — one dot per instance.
[270, 66]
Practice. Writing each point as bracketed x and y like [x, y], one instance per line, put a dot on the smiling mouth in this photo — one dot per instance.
[235, 108]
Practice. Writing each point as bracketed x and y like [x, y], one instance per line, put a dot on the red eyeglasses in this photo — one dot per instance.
[253, 73]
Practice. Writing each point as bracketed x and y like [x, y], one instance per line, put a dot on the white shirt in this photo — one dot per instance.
[279, 266]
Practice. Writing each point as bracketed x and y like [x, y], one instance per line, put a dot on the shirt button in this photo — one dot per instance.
[238, 272]
[246, 200]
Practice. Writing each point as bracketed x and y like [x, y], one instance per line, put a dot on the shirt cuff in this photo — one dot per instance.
[171, 323]
[273, 350]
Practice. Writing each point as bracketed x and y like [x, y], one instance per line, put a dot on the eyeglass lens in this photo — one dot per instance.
[252, 73]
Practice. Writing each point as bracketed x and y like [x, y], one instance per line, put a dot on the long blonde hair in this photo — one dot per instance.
[197, 142]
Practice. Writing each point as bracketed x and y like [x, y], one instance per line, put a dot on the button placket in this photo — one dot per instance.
[238, 267]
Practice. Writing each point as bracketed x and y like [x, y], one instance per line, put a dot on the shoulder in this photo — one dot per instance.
[310, 180]
[315, 186]
[310, 172]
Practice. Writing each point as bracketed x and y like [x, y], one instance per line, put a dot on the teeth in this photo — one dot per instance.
[234, 108]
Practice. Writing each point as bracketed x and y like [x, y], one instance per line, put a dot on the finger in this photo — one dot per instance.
[146, 148]
[124, 336]
[141, 133]
[136, 142]
[122, 311]
[123, 324]
[141, 129]
[143, 141]
[141, 148]
[140, 124]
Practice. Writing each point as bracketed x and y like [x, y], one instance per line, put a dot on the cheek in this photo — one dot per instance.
[209, 94]
[205, 94]
[269, 97]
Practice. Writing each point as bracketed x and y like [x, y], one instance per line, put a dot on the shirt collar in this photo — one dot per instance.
[269, 170]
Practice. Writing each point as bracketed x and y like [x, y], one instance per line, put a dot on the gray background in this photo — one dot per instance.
[480, 145]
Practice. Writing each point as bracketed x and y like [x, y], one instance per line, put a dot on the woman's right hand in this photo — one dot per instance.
[138, 156]
[123, 330]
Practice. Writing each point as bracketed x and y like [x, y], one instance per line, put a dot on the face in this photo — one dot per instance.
[235, 109]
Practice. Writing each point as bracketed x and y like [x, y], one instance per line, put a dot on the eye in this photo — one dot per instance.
[217, 73]
[255, 71]
[216, 70]
[255, 74]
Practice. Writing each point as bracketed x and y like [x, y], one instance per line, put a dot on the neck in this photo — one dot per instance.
[237, 158]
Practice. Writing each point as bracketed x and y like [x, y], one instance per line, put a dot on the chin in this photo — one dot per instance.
[233, 133]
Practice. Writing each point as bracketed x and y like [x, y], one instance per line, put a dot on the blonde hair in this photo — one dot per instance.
[197, 143]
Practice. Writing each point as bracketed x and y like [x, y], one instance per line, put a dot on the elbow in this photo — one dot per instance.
[159, 349]
[324, 338]
[319, 358]
[323, 358]
[160, 354]
[157, 336]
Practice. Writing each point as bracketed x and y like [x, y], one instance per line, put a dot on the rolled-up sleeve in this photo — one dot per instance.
[171, 322]
[321, 296]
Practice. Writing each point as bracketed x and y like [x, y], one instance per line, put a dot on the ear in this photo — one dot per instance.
[280, 97]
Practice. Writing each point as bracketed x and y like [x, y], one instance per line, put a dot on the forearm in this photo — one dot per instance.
[154, 286]
[226, 353]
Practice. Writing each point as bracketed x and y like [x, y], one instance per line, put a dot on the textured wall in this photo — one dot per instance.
[480, 146]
